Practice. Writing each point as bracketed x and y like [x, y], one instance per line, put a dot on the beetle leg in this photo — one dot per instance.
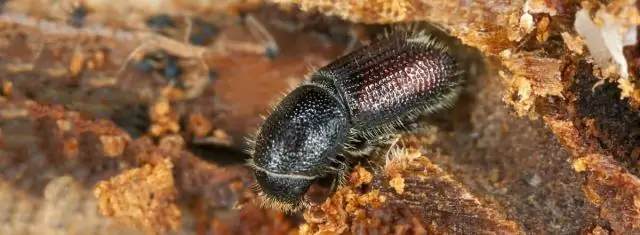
[340, 177]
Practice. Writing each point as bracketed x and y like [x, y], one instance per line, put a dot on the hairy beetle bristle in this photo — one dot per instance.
[250, 139]
[268, 202]
[342, 180]
[331, 169]
[310, 70]
[445, 102]
[251, 143]
[251, 164]
[365, 150]
[255, 187]
[413, 32]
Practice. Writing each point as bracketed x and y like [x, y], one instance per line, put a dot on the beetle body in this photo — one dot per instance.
[358, 98]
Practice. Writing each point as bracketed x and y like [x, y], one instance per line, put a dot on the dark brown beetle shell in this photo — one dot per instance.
[366, 93]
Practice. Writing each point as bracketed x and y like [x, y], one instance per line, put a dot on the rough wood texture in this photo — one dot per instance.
[544, 140]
